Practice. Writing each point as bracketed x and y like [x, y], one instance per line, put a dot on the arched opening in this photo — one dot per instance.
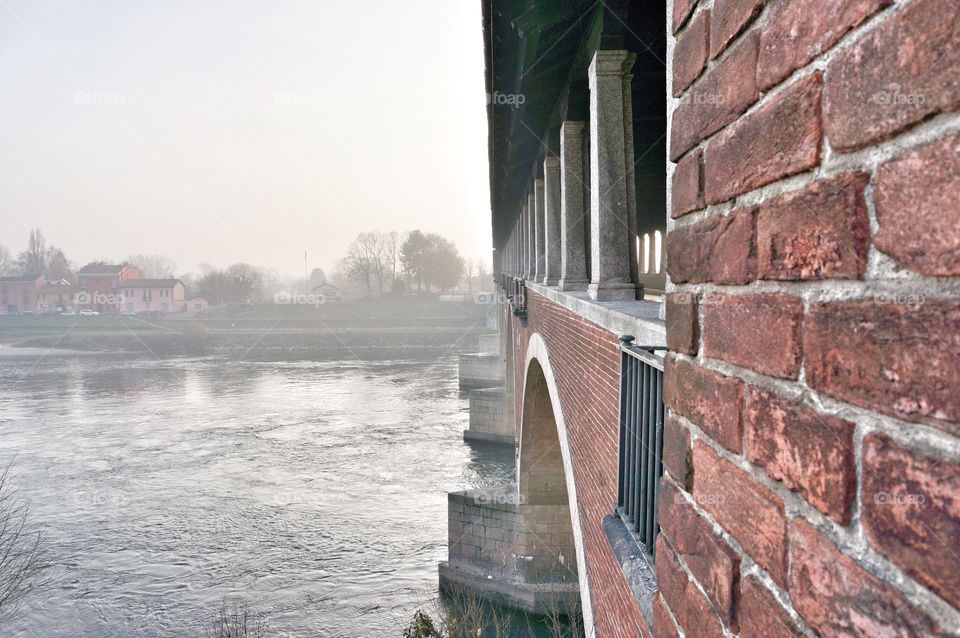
[548, 541]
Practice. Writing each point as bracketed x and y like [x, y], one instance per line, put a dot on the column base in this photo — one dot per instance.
[612, 291]
[572, 284]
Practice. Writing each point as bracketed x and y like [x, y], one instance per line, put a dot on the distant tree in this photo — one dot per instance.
[392, 243]
[58, 266]
[153, 266]
[445, 265]
[317, 277]
[7, 264]
[34, 259]
[413, 256]
[365, 260]
[244, 281]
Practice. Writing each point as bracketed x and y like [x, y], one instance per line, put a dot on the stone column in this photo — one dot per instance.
[629, 181]
[609, 226]
[573, 264]
[531, 235]
[551, 216]
[538, 225]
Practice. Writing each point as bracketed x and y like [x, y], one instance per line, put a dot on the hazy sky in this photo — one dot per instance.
[226, 130]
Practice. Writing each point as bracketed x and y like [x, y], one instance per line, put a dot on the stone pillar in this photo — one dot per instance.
[532, 230]
[573, 264]
[629, 180]
[538, 225]
[551, 223]
[609, 227]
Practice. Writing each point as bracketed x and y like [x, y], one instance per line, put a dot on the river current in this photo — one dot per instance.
[314, 490]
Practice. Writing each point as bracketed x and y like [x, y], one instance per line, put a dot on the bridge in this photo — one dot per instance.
[728, 342]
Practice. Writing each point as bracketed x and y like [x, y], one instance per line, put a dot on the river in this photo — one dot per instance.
[315, 490]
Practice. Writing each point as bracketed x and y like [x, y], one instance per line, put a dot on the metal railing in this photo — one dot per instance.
[517, 293]
[641, 440]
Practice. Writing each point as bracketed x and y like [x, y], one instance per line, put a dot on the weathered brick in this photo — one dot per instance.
[690, 52]
[689, 606]
[811, 453]
[746, 509]
[780, 138]
[818, 232]
[682, 322]
[709, 399]
[888, 354]
[895, 76]
[838, 598]
[708, 557]
[687, 185]
[917, 198]
[718, 249]
[663, 626]
[911, 512]
[677, 456]
[717, 98]
[760, 332]
[681, 11]
[796, 31]
[729, 18]
[760, 615]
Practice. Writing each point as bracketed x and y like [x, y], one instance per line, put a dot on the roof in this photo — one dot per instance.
[20, 278]
[151, 283]
[102, 269]
[58, 288]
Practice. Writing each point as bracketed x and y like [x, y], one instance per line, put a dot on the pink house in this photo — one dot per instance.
[20, 293]
[152, 295]
[195, 304]
[99, 286]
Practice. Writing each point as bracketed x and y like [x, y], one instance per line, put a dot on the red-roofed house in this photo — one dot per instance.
[152, 295]
[99, 286]
[20, 293]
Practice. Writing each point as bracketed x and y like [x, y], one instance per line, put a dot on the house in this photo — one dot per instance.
[56, 296]
[195, 304]
[328, 292]
[19, 293]
[98, 285]
[152, 295]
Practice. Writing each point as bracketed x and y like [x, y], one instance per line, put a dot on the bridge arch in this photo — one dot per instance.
[545, 476]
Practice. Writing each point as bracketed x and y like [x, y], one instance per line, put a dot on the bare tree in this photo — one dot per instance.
[236, 620]
[7, 265]
[21, 559]
[153, 266]
[33, 261]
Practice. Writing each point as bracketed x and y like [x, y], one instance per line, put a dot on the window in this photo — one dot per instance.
[641, 441]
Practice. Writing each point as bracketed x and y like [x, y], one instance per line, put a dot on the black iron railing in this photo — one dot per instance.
[518, 297]
[641, 440]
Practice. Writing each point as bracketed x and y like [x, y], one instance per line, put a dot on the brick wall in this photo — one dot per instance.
[586, 365]
[812, 462]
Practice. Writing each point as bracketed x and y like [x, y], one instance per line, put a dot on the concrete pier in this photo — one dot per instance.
[491, 420]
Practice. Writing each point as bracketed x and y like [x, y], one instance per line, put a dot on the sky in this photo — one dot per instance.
[217, 131]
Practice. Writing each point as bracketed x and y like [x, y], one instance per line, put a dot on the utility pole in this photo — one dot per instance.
[306, 279]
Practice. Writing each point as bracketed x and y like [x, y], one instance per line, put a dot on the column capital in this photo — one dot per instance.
[551, 162]
[571, 128]
[611, 62]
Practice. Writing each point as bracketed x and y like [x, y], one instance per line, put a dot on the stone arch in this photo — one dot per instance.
[545, 477]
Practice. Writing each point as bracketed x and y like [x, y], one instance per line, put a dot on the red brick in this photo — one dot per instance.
[895, 76]
[837, 597]
[677, 458]
[917, 197]
[682, 322]
[718, 249]
[760, 332]
[780, 138]
[681, 11]
[707, 398]
[717, 98]
[911, 512]
[746, 509]
[690, 52]
[708, 557]
[663, 626]
[690, 607]
[687, 189]
[889, 355]
[729, 18]
[818, 232]
[811, 453]
[760, 615]
[796, 31]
